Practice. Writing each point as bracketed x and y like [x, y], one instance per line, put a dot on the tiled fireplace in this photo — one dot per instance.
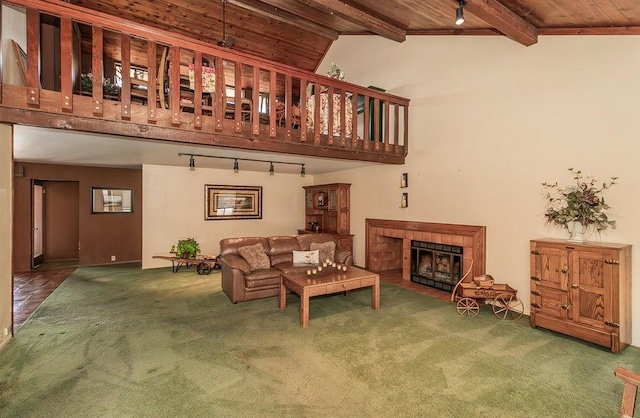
[389, 243]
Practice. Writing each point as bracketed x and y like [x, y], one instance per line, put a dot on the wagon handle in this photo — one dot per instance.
[453, 293]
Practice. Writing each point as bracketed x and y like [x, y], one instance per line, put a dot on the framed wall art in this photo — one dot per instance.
[232, 202]
[108, 200]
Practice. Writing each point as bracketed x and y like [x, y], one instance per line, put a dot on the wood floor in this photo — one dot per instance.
[31, 288]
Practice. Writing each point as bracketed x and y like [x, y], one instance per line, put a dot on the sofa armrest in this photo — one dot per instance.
[343, 257]
[234, 261]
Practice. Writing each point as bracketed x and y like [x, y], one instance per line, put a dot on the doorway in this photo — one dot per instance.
[56, 223]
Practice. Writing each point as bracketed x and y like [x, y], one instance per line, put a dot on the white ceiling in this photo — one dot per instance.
[57, 146]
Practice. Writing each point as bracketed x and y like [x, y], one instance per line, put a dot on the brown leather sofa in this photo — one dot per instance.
[241, 283]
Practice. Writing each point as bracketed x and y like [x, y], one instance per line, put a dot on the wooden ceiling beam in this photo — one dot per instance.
[360, 17]
[283, 16]
[503, 19]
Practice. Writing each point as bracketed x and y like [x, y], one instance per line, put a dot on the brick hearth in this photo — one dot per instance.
[388, 244]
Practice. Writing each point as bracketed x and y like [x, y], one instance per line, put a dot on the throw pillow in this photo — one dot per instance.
[306, 257]
[255, 256]
[327, 250]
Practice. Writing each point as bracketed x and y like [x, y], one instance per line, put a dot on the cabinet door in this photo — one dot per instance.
[591, 290]
[333, 199]
[309, 201]
[549, 281]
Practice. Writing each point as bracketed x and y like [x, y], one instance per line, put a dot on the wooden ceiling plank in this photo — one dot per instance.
[504, 20]
[283, 16]
[350, 13]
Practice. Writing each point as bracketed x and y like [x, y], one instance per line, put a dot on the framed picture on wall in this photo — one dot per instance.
[232, 202]
[108, 200]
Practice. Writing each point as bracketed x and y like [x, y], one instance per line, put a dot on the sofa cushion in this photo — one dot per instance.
[326, 249]
[306, 257]
[261, 278]
[305, 240]
[281, 249]
[255, 256]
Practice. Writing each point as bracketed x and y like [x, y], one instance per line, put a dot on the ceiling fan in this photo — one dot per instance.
[227, 41]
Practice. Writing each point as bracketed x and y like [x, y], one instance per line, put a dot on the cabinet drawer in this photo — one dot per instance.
[343, 286]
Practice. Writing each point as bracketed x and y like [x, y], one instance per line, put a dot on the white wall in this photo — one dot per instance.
[174, 208]
[490, 120]
[6, 232]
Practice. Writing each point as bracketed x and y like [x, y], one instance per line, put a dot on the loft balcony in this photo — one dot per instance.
[86, 71]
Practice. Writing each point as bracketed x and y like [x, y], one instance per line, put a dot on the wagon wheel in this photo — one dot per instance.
[468, 307]
[203, 268]
[507, 306]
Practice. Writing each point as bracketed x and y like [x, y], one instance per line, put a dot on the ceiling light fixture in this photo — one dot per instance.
[460, 12]
[236, 167]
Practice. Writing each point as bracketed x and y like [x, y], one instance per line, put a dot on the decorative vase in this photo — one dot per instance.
[576, 231]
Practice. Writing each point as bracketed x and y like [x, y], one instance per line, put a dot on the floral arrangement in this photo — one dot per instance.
[86, 84]
[580, 202]
[335, 72]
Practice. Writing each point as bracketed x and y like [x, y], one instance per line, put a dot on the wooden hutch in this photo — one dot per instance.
[327, 211]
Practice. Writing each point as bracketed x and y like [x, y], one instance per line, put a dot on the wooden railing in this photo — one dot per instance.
[184, 90]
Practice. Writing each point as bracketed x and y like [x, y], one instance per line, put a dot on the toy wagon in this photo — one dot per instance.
[501, 297]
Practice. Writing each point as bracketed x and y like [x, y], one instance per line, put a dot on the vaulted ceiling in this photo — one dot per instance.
[299, 32]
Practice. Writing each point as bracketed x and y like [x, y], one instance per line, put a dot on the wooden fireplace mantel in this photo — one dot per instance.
[388, 243]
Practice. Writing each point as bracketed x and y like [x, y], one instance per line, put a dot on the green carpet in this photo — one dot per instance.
[125, 342]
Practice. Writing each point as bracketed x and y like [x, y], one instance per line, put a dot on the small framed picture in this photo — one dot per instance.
[108, 200]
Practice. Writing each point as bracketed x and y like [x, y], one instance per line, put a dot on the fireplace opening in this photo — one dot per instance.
[436, 265]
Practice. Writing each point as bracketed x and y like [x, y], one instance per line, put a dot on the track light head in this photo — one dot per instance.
[192, 164]
[236, 167]
[302, 171]
[460, 12]
[271, 170]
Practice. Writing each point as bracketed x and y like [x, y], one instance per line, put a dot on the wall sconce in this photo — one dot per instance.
[405, 200]
[236, 167]
[271, 170]
[460, 12]
[404, 180]
[192, 164]
[302, 171]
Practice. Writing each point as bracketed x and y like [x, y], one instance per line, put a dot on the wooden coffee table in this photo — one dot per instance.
[327, 282]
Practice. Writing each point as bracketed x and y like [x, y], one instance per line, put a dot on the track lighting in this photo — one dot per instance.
[460, 12]
[236, 165]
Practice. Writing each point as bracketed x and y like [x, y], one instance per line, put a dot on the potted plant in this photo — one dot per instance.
[579, 205]
[109, 89]
[186, 248]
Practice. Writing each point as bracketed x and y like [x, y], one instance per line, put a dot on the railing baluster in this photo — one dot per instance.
[316, 116]
[396, 129]
[66, 62]
[272, 103]
[367, 123]
[354, 121]
[174, 83]
[385, 132]
[343, 119]
[238, 106]
[303, 109]
[197, 90]
[33, 57]
[288, 105]
[152, 82]
[97, 70]
[125, 91]
[219, 106]
[256, 100]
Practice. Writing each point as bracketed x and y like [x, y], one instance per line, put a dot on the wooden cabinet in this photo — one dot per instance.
[582, 290]
[327, 210]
